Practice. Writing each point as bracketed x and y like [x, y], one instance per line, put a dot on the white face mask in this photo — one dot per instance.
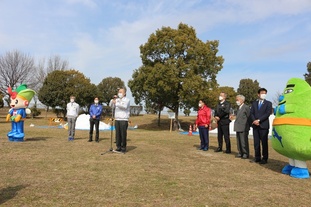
[72, 100]
[263, 96]
[238, 103]
[120, 95]
[200, 105]
[96, 101]
[220, 98]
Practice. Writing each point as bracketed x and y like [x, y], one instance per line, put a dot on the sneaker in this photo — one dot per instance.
[69, 138]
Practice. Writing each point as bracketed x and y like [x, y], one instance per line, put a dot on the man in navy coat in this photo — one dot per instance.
[260, 112]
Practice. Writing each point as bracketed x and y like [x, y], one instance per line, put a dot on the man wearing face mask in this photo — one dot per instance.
[72, 114]
[222, 116]
[260, 112]
[96, 110]
[241, 127]
[121, 107]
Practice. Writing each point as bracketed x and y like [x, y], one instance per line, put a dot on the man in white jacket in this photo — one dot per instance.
[121, 106]
[72, 114]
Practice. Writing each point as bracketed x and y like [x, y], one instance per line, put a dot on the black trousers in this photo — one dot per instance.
[92, 123]
[223, 131]
[261, 136]
[121, 134]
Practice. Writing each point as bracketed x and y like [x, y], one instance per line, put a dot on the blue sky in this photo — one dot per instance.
[267, 40]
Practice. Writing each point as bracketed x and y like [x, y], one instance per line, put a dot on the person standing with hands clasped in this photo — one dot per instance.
[260, 112]
[222, 116]
[96, 110]
[121, 106]
[241, 127]
[203, 123]
[72, 114]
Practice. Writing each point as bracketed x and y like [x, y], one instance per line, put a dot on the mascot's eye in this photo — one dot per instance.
[16, 102]
[288, 90]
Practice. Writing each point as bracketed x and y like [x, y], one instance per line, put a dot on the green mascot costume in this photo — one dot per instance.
[292, 127]
[20, 99]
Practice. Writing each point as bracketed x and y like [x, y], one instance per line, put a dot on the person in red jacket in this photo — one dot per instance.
[203, 123]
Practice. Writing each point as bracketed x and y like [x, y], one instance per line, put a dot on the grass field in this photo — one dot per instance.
[159, 169]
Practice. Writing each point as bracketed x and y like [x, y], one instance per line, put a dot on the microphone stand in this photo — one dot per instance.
[111, 132]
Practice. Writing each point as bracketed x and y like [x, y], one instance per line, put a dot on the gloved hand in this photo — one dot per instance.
[8, 117]
[18, 118]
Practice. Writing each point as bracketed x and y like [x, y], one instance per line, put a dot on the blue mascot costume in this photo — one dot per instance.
[20, 99]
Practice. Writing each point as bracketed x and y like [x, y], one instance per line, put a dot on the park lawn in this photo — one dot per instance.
[159, 169]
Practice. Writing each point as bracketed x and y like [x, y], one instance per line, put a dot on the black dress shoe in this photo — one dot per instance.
[218, 150]
[256, 160]
[262, 162]
[118, 149]
[228, 151]
[90, 140]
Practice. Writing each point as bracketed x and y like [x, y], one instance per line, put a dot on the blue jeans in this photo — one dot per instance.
[203, 131]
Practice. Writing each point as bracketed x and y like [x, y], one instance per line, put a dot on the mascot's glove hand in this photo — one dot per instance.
[8, 117]
[18, 118]
[281, 109]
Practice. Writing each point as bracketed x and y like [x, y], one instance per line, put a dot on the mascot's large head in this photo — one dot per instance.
[21, 97]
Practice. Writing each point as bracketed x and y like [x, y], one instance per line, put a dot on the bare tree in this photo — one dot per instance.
[43, 68]
[56, 63]
[16, 68]
[275, 100]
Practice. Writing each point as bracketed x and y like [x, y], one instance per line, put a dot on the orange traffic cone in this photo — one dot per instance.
[190, 130]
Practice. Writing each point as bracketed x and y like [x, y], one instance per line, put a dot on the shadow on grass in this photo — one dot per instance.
[35, 139]
[275, 165]
[10, 192]
[152, 125]
[130, 148]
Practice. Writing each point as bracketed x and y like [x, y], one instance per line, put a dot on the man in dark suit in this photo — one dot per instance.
[260, 112]
[222, 116]
[241, 127]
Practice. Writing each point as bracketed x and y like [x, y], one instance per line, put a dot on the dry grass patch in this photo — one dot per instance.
[160, 169]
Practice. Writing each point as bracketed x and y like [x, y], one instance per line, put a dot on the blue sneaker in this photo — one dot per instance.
[287, 169]
[301, 173]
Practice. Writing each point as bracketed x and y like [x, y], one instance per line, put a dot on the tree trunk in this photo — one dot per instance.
[159, 117]
[175, 127]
